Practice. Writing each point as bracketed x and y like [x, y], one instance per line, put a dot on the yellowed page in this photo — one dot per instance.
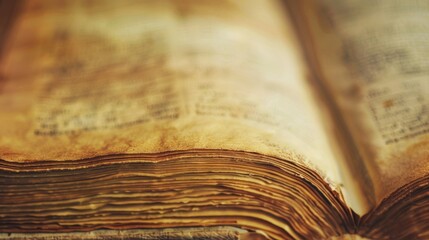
[81, 79]
[372, 55]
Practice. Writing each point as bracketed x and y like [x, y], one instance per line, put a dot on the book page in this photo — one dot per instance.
[372, 55]
[81, 79]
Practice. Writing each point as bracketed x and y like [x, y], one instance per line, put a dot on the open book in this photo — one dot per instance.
[214, 119]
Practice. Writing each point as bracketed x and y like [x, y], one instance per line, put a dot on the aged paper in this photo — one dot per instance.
[81, 79]
[373, 58]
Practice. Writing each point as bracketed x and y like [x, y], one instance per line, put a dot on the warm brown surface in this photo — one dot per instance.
[154, 114]
[162, 114]
[372, 58]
